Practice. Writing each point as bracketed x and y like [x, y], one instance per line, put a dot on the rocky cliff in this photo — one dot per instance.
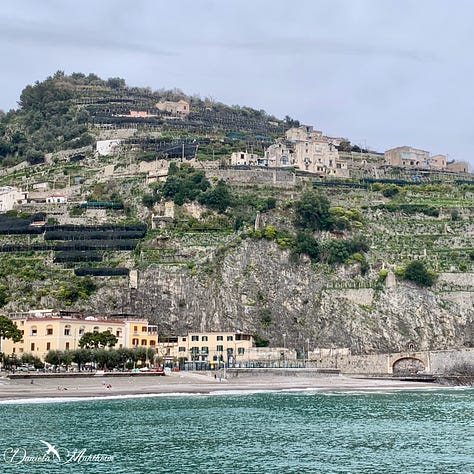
[256, 287]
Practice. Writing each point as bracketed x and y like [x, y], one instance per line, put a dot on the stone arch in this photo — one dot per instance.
[408, 365]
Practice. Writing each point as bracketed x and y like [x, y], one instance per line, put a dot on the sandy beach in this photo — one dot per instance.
[186, 382]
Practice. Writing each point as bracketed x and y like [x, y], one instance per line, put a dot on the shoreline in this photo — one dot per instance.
[188, 383]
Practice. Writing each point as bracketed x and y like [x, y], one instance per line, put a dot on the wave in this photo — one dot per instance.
[321, 391]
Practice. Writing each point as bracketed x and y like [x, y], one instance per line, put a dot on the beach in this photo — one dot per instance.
[186, 382]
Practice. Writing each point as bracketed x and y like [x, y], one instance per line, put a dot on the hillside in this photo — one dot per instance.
[373, 264]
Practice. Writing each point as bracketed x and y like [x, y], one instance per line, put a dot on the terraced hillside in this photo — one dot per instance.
[373, 263]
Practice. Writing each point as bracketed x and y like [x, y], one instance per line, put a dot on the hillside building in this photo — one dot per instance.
[11, 196]
[107, 147]
[240, 158]
[458, 166]
[409, 157]
[181, 107]
[308, 150]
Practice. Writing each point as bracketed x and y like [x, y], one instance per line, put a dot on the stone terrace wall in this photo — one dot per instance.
[277, 178]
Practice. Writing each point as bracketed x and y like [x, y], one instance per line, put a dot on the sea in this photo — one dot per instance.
[300, 431]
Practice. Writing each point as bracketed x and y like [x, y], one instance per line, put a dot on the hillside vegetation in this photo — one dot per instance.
[370, 264]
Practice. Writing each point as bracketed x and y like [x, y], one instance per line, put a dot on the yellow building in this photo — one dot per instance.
[205, 349]
[47, 330]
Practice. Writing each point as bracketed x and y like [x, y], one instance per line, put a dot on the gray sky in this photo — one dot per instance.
[382, 73]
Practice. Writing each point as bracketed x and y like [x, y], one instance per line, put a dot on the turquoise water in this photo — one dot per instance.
[415, 431]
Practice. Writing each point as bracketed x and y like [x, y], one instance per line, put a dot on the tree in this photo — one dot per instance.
[53, 358]
[184, 183]
[344, 145]
[417, 273]
[81, 357]
[8, 330]
[217, 198]
[312, 212]
[94, 340]
[30, 359]
[306, 244]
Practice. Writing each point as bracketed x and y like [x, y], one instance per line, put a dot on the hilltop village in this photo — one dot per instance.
[223, 235]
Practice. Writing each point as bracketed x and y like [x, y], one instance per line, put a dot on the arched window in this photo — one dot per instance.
[49, 330]
[96, 329]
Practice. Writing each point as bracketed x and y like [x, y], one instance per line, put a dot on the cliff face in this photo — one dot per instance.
[255, 287]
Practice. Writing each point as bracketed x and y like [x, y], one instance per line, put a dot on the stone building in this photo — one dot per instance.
[458, 166]
[308, 150]
[407, 157]
[181, 107]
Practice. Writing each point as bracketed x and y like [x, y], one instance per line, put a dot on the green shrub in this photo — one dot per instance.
[305, 243]
[416, 272]
[390, 191]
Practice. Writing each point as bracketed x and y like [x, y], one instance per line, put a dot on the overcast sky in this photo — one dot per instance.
[382, 73]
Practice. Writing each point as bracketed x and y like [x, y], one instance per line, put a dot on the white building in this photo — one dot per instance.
[9, 197]
[240, 158]
[56, 199]
[107, 147]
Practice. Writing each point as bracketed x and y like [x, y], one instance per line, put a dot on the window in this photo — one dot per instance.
[144, 329]
[220, 348]
[183, 339]
[194, 338]
[49, 331]
[205, 350]
[48, 346]
[144, 342]
[194, 350]
[182, 349]
[34, 331]
[32, 346]
[134, 342]
[230, 351]
[230, 338]
[135, 329]
[241, 350]
[67, 346]
[220, 338]
[96, 329]
[152, 343]
[67, 330]
[118, 333]
[204, 338]
[82, 330]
